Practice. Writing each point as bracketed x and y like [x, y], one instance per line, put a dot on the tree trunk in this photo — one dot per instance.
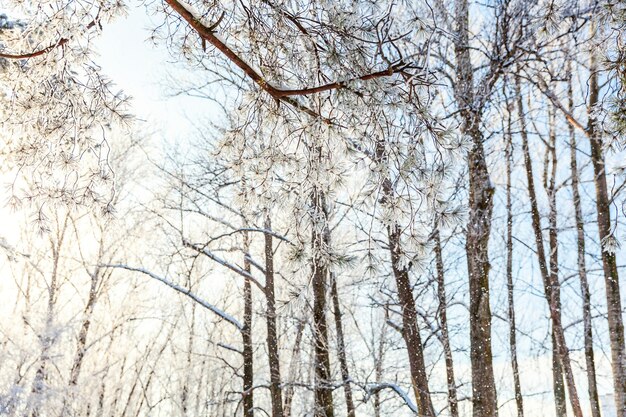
[320, 240]
[609, 262]
[186, 391]
[379, 357]
[82, 337]
[558, 387]
[47, 339]
[484, 398]
[519, 399]
[550, 188]
[443, 322]
[341, 348]
[293, 366]
[549, 283]
[581, 252]
[84, 329]
[248, 354]
[272, 338]
[410, 329]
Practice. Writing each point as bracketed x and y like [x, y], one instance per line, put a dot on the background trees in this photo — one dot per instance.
[391, 208]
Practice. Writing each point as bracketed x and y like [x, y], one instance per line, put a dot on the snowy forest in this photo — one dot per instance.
[372, 208]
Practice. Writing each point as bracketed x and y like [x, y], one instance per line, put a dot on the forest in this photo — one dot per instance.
[374, 208]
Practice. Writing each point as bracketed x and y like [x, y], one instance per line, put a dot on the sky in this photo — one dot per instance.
[141, 70]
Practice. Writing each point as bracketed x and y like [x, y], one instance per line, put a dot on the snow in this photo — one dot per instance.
[227, 317]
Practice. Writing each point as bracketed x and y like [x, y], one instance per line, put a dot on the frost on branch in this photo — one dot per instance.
[58, 112]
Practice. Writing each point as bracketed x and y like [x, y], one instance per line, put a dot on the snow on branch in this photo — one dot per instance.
[203, 250]
[374, 388]
[45, 50]
[208, 34]
[185, 291]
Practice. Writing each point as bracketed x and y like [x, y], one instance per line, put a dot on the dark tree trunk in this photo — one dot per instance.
[549, 183]
[246, 333]
[609, 262]
[410, 328]
[320, 240]
[590, 362]
[558, 387]
[272, 338]
[484, 397]
[519, 399]
[550, 281]
[443, 322]
[341, 348]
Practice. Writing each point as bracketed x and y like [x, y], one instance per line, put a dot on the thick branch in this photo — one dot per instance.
[208, 35]
[45, 50]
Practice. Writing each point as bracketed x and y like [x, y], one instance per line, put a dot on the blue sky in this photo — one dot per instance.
[140, 69]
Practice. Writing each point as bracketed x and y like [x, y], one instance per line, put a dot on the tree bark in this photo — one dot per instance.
[443, 322]
[246, 333]
[609, 262]
[558, 387]
[341, 348]
[293, 366]
[410, 328]
[320, 238]
[550, 188]
[551, 285]
[272, 338]
[519, 399]
[590, 362]
[484, 397]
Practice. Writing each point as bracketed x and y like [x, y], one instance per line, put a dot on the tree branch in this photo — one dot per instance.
[45, 50]
[185, 291]
[208, 34]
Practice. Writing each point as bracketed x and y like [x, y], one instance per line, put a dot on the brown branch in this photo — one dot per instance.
[543, 87]
[45, 50]
[208, 34]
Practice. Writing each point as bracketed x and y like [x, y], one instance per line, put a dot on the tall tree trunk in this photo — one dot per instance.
[320, 239]
[341, 348]
[84, 329]
[443, 322]
[293, 366]
[609, 262]
[550, 188]
[81, 343]
[248, 353]
[379, 357]
[590, 362]
[272, 338]
[410, 328]
[186, 390]
[548, 278]
[47, 339]
[558, 387]
[517, 386]
[484, 397]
